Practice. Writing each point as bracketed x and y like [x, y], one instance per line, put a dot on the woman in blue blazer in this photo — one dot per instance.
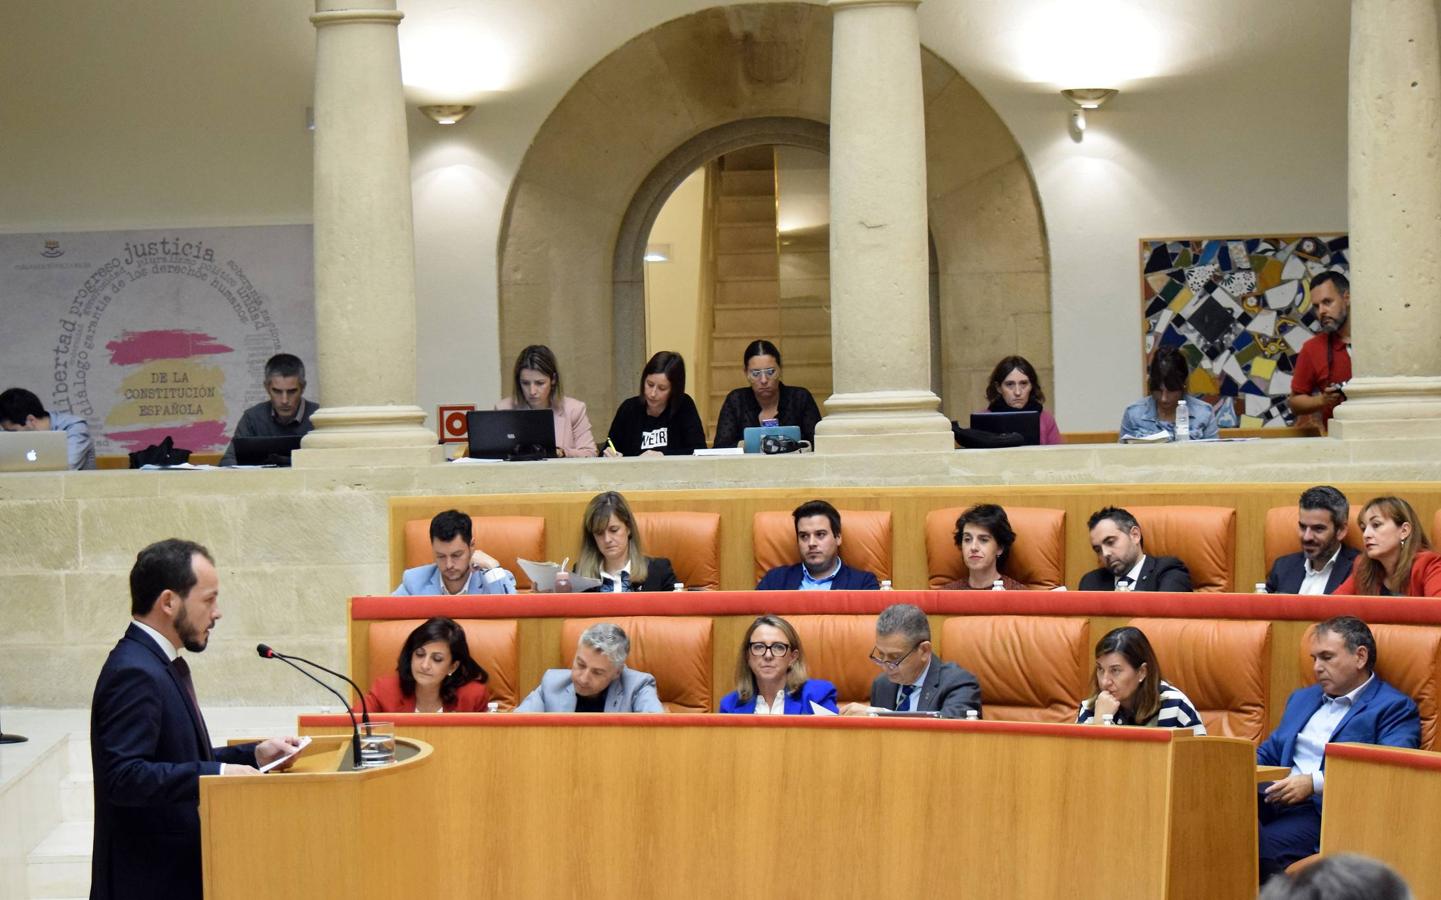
[771, 674]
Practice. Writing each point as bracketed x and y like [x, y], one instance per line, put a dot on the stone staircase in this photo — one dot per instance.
[58, 866]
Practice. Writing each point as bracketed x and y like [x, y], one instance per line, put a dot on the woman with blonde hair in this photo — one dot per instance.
[771, 676]
[535, 384]
[610, 550]
[1399, 560]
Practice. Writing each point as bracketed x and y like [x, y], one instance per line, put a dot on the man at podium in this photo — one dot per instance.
[148, 742]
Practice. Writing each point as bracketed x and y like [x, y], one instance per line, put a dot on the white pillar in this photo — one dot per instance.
[364, 246]
[1395, 213]
[880, 311]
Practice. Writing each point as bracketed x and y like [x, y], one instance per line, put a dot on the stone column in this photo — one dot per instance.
[364, 250]
[1395, 213]
[880, 312]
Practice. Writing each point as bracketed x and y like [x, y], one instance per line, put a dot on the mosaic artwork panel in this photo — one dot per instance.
[1239, 309]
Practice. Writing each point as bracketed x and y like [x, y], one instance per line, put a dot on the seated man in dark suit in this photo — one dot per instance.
[915, 679]
[1116, 538]
[1347, 704]
[818, 536]
[1324, 561]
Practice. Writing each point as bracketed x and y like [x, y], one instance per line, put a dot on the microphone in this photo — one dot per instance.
[266, 653]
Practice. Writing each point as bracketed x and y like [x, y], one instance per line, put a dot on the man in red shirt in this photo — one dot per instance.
[1324, 364]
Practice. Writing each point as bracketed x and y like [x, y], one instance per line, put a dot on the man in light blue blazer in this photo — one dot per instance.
[1347, 704]
[597, 680]
[459, 568]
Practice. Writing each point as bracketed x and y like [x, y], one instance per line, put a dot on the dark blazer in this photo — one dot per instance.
[1289, 571]
[385, 696]
[947, 688]
[1380, 715]
[1158, 573]
[816, 690]
[659, 576]
[788, 578]
[741, 410]
[148, 749]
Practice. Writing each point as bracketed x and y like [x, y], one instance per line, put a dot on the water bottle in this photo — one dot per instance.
[885, 585]
[1260, 587]
[998, 585]
[1183, 421]
[973, 715]
[1108, 719]
[678, 586]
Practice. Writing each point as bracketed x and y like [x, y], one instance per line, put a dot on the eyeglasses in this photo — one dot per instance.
[758, 374]
[779, 648]
[890, 665]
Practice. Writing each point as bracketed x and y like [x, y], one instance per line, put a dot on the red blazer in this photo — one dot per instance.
[385, 696]
[1425, 578]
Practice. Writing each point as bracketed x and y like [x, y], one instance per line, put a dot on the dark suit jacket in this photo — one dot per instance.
[947, 688]
[1380, 715]
[1289, 571]
[148, 749]
[788, 578]
[659, 576]
[1158, 573]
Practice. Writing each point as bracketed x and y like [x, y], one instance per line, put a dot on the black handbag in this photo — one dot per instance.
[164, 453]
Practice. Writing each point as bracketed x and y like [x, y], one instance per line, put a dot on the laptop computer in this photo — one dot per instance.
[511, 434]
[266, 451]
[34, 451]
[753, 435]
[1025, 422]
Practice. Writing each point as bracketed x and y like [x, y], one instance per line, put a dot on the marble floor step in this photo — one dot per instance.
[77, 797]
[59, 866]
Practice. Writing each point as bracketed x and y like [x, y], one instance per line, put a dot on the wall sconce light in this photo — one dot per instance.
[1085, 98]
[446, 114]
[656, 253]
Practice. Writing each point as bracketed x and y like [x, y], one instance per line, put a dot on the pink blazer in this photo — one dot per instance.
[572, 426]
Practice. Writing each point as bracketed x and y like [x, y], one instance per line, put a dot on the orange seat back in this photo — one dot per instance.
[1038, 557]
[1031, 668]
[494, 643]
[1203, 537]
[676, 650]
[865, 541]
[838, 649]
[1408, 657]
[1223, 665]
[507, 538]
[690, 540]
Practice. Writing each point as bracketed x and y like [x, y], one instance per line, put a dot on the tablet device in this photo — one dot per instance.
[513, 434]
[1025, 422]
[753, 435]
[266, 451]
[34, 451]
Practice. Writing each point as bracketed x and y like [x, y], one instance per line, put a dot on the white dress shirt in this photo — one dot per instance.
[171, 654]
[1311, 742]
[1315, 580]
[775, 708]
[1134, 575]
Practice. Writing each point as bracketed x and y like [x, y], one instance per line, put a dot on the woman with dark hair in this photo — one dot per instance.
[766, 401]
[1166, 379]
[610, 550]
[1015, 387]
[535, 384]
[662, 419]
[434, 673]
[1399, 560]
[1127, 687]
[985, 538]
[771, 674]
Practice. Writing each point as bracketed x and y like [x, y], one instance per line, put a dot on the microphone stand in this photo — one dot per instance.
[266, 653]
[12, 738]
[364, 710]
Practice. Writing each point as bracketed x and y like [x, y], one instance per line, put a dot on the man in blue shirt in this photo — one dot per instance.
[1348, 704]
[20, 410]
[818, 538]
[459, 568]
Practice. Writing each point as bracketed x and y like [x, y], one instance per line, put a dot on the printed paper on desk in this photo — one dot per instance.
[542, 575]
[304, 742]
[819, 710]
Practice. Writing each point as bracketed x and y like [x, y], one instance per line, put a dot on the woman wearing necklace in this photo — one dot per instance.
[985, 538]
[434, 673]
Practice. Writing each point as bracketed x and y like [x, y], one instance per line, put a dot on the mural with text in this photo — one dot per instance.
[148, 334]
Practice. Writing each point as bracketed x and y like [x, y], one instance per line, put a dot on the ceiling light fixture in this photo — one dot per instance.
[446, 114]
[1085, 98]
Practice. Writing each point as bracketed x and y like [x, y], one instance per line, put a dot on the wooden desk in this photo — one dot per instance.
[650, 806]
[319, 832]
[1271, 773]
[1385, 802]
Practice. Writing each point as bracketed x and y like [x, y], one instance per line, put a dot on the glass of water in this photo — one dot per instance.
[377, 744]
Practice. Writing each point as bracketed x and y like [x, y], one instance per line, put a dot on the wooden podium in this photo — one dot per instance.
[322, 829]
[1385, 802]
[702, 806]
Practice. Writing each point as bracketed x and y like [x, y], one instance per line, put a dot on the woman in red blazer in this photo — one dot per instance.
[435, 673]
[1399, 560]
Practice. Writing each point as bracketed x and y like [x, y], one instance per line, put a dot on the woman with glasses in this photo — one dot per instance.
[1127, 687]
[766, 401]
[771, 674]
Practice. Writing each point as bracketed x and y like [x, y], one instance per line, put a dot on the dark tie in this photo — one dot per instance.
[623, 585]
[182, 671]
[903, 698]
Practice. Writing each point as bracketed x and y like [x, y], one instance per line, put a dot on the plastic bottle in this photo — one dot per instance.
[885, 585]
[679, 586]
[1260, 587]
[1183, 421]
[973, 715]
[1108, 719]
[998, 585]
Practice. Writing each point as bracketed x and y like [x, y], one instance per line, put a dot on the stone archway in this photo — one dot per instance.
[620, 140]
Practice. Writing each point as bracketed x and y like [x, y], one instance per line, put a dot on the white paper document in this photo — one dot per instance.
[542, 575]
[304, 742]
[817, 709]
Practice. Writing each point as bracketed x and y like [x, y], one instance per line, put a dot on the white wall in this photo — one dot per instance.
[672, 288]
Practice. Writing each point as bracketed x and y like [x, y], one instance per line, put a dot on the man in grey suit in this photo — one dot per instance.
[597, 681]
[915, 679]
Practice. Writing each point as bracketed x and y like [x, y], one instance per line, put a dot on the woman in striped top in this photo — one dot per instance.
[1127, 685]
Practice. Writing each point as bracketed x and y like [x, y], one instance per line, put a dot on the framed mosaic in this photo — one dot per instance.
[1239, 309]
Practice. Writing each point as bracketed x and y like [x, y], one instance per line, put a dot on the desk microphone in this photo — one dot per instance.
[266, 653]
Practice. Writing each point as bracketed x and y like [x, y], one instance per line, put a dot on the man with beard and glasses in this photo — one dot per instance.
[1324, 561]
[1324, 364]
[148, 741]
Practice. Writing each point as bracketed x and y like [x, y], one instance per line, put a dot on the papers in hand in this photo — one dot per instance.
[817, 709]
[542, 575]
[304, 742]
[1159, 437]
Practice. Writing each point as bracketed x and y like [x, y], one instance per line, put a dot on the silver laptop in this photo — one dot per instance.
[34, 451]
